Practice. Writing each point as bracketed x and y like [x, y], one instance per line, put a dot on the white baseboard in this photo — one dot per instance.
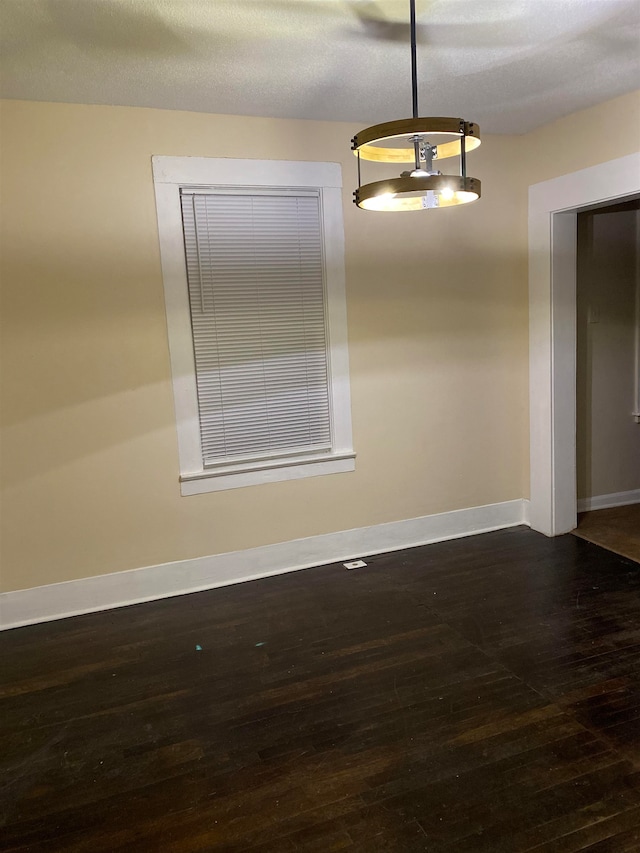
[71, 598]
[609, 501]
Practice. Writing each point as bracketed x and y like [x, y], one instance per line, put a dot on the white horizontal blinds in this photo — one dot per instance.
[256, 291]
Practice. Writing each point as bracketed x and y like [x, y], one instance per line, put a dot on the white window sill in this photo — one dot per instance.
[269, 472]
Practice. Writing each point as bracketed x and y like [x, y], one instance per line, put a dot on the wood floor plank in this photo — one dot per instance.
[617, 529]
[475, 695]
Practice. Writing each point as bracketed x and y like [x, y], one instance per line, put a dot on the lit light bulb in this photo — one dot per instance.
[379, 202]
[447, 193]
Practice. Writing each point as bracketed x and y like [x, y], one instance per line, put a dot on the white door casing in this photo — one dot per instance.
[553, 208]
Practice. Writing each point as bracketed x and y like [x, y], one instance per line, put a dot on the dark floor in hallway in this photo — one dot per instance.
[475, 695]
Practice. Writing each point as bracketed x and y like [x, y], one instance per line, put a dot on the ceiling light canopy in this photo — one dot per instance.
[419, 141]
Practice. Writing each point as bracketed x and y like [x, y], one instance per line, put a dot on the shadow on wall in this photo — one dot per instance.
[90, 353]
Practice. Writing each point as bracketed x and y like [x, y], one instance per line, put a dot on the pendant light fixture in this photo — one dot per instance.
[419, 141]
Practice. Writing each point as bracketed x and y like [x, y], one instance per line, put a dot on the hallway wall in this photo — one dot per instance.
[608, 438]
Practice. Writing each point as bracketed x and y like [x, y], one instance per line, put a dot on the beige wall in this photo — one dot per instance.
[608, 437]
[583, 139]
[437, 333]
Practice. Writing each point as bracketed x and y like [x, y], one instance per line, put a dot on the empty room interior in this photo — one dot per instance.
[320, 520]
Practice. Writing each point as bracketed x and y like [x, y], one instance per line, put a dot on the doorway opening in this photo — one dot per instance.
[553, 212]
[608, 348]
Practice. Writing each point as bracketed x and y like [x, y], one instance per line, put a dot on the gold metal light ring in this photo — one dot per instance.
[363, 142]
[407, 193]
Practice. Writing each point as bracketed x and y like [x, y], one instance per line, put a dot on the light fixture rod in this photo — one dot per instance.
[416, 151]
[414, 60]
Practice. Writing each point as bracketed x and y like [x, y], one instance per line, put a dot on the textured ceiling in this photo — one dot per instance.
[509, 65]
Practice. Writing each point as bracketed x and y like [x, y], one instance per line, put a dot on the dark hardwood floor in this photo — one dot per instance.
[475, 695]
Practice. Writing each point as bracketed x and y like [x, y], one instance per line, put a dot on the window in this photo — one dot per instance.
[253, 267]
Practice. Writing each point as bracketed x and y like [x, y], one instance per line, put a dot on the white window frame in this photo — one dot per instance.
[170, 175]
